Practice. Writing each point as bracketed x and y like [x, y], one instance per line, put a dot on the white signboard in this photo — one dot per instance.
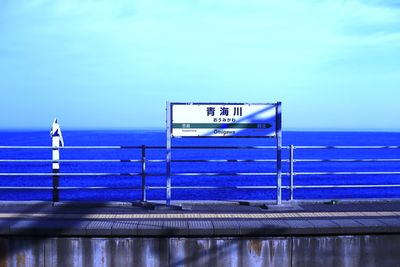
[223, 120]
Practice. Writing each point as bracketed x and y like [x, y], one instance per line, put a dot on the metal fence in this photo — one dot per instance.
[290, 174]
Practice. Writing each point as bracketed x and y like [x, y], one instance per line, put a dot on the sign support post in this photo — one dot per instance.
[168, 156]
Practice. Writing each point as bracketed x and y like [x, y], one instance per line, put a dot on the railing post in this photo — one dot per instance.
[278, 154]
[56, 166]
[143, 173]
[291, 162]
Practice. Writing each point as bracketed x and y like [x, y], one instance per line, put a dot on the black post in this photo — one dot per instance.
[56, 184]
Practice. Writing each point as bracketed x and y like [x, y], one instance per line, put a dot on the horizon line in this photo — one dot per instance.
[289, 129]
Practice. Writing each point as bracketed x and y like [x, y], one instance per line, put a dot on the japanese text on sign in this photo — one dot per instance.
[222, 120]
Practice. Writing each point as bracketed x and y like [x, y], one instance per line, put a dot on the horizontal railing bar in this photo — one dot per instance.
[139, 147]
[227, 147]
[70, 160]
[216, 187]
[347, 186]
[137, 174]
[226, 160]
[67, 188]
[100, 147]
[215, 147]
[26, 188]
[201, 147]
[216, 174]
[133, 188]
[224, 174]
[200, 174]
[100, 160]
[98, 188]
[26, 160]
[137, 160]
[69, 174]
[69, 147]
[347, 147]
[214, 160]
[346, 160]
[156, 160]
[26, 147]
[345, 173]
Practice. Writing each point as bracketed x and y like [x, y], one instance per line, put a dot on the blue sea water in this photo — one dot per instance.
[122, 185]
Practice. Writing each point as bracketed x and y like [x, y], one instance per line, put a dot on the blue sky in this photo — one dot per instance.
[113, 64]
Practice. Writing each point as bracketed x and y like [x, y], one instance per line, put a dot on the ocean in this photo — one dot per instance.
[127, 188]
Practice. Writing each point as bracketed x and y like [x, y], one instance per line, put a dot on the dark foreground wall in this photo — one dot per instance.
[366, 250]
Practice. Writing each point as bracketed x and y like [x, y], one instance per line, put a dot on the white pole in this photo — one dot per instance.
[56, 152]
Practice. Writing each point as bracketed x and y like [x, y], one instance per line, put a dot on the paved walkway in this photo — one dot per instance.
[206, 220]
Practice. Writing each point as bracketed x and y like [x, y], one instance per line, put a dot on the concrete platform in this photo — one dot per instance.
[197, 220]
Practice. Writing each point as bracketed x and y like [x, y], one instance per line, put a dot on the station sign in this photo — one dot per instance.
[223, 120]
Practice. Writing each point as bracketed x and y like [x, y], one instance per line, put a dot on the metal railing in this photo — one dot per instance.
[143, 173]
[292, 173]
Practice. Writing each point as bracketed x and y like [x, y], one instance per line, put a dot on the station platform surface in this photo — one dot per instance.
[197, 219]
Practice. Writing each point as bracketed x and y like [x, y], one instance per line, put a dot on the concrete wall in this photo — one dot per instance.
[374, 250]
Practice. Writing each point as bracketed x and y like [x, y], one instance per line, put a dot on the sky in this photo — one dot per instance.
[334, 65]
